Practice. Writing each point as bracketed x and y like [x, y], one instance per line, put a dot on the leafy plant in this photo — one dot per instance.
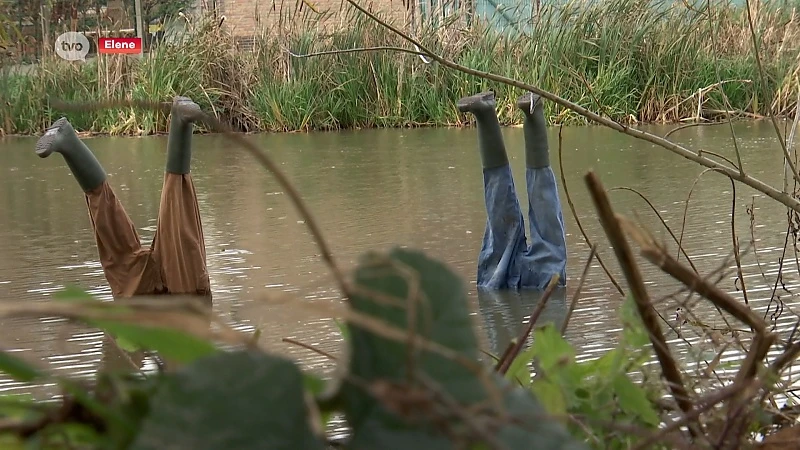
[413, 378]
[595, 392]
[636, 62]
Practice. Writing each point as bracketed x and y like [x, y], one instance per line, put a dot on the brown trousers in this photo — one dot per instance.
[174, 264]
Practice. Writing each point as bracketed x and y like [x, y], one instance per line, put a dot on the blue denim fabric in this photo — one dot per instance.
[506, 260]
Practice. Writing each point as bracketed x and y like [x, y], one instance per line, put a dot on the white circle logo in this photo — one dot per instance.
[72, 46]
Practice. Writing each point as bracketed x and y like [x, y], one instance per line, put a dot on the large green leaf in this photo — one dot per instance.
[519, 370]
[240, 400]
[170, 343]
[633, 400]
[383, 285]
[551, 349]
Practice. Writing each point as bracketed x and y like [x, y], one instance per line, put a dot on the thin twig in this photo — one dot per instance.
[691, 125]
[786, 358]
[660, 218]
[506, 363]
[309, 347]
[577, 294]
[575, 213]
[355, 50]
[659, 257]
[503, 357]
[735, 243]
[702, 406]
[754, 183]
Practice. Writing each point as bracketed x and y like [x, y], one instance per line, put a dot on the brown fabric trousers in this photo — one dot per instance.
[174, 264]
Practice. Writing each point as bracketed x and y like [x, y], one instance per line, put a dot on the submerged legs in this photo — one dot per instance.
[176, 261]
[126, 265]
[547, 253]
[178, 244]
[504, 236]
[506, 261]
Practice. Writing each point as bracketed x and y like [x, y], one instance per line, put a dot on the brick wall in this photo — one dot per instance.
[247, 18]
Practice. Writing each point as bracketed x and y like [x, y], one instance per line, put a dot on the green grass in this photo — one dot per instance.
[625, 59]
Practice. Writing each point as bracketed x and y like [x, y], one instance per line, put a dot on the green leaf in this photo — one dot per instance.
[633, 400]
[605, 366]
[518, 370]
[171, 344]
[634, 333]
[550, 395]
[342, 329]
[316, 386]
[74, 294]
[69, 435]
[313, 384]
[384, 284]
[10, 441]
[20, 407]
[239, 400]
[126, 345]
[19, 369]
[551, 349]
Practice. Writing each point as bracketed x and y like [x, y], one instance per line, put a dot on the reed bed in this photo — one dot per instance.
[635, 62]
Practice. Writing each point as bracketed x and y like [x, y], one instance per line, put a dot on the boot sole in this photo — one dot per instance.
[44, 146]
[465, 104]
[187, 108]
[527, 102]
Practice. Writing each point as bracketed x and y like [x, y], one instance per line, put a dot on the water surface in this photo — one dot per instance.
[372, 190]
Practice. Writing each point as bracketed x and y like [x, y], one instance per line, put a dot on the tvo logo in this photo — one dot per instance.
[72, 46]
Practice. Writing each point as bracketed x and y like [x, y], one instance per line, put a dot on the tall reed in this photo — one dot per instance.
[632, 61]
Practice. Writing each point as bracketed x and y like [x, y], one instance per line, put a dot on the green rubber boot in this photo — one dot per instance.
[537, 154]
[179, 148]
[490, 138]
[60, 137]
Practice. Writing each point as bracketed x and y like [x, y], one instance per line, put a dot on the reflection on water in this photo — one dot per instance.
[371, 190]
[505, 313]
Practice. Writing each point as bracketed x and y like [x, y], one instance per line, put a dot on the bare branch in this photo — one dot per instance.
[504, 364]
[355, 50]
[754, 183]
[577, 294]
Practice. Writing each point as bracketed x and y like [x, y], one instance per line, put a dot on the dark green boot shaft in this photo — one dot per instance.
[60, 137]
[537, 154]
[490, 138]
[179, 144]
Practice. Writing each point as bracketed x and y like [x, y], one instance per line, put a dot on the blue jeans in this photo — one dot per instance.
[507, 260]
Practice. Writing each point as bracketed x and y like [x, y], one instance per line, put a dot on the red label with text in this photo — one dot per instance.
[119, 45]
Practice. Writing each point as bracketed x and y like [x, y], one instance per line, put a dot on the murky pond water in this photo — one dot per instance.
[372, 190]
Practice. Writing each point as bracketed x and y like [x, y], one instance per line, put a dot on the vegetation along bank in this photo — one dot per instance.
[632, 62]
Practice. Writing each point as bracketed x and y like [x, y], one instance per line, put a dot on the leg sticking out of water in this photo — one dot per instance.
[126, 265]
[178, 245]
[547, 253]
[504, 236]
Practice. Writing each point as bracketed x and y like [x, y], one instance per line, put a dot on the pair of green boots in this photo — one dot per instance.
[490, 138]
[60, 137]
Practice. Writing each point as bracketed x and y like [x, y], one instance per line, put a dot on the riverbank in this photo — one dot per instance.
[628, 61]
